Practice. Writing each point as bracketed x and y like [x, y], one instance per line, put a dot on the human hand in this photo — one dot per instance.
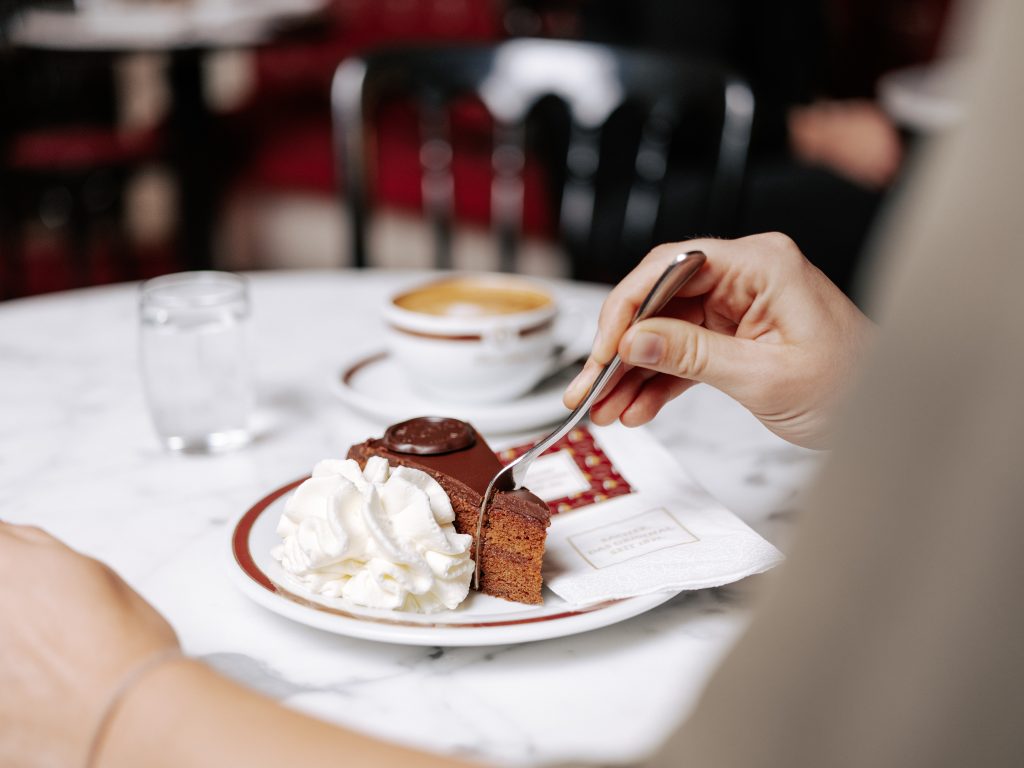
[854, 138]
[71, 631]
[758, 321]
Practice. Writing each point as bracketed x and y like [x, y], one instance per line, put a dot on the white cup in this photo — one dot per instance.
[474, 338]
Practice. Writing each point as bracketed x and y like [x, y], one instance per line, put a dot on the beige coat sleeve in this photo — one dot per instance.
[894, 636]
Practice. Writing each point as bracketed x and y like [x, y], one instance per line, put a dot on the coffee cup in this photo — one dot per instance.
[473, 338]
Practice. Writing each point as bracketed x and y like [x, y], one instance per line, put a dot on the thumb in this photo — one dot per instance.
[689, 351]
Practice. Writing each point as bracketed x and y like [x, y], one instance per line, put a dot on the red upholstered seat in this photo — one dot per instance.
[90, 246]
[296, 155]
[286, 129]
[79, 147]
[397, 150]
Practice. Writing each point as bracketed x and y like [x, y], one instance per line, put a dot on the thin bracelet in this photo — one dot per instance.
[128, 682]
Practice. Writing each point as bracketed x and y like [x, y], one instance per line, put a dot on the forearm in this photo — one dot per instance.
[185, 715]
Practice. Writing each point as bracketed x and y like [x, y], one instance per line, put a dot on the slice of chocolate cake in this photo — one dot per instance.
[456, 455]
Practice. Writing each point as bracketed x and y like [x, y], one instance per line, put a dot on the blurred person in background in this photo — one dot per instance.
[892, 635]
[823, 153]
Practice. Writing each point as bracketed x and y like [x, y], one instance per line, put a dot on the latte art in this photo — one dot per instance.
[469, 297]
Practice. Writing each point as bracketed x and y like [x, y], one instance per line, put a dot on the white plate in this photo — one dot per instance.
[480, 620]
[373, 384]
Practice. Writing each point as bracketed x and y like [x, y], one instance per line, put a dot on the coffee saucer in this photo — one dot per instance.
[373, 384]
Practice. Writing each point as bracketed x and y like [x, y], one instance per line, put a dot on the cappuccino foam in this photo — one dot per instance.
[468, 297]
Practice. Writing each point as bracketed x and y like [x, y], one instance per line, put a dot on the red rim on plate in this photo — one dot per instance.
[245, 560]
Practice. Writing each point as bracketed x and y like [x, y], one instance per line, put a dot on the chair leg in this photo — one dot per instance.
[78, 229]
[11, 258]
[123, 258]
[10, 254]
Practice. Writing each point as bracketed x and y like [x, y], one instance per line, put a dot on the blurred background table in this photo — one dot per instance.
[78, 457]
[186, 33]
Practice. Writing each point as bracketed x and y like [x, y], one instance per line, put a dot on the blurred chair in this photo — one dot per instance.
[279, 138]
[64, 164]
[608, 122]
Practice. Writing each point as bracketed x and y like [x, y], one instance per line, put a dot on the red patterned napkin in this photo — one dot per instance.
[597, 479]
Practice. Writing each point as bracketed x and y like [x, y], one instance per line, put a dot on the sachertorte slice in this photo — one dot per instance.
[457, 456]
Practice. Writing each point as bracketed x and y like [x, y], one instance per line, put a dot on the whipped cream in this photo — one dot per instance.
[381, 537]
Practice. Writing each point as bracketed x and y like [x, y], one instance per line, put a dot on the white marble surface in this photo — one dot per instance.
[78, 457]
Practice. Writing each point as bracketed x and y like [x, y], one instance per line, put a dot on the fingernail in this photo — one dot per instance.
[646, 349]
[573, 390]
[598, 339]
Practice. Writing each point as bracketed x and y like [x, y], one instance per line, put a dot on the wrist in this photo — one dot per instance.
[139, 727]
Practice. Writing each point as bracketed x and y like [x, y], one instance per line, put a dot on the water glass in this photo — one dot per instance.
[195, 360]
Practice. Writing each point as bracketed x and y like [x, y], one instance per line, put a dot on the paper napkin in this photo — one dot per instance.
[628, 520]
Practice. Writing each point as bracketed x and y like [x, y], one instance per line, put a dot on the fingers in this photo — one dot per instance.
[691, 352]
[579, 387]
[690, 309]
[621, 305]
[619, 397]
[639, 398]
[706, 333]
[736, 273]
[656, 393]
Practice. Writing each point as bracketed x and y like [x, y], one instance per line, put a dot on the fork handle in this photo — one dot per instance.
[676, 274]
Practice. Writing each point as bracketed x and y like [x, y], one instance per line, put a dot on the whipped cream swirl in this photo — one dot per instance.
[381, 537]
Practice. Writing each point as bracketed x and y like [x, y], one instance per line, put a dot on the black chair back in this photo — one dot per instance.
[622, 117]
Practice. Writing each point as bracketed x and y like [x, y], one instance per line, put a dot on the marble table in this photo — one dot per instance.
[78, 457]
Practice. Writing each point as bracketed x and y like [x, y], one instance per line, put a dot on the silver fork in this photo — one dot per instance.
[513, 476]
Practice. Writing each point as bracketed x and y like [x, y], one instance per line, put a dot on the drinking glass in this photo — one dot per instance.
[195, 360]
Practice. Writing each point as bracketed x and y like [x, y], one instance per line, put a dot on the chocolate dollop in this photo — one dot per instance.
[428, 436]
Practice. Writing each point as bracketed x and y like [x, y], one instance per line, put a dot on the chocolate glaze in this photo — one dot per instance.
[474, 466]
[429, 436]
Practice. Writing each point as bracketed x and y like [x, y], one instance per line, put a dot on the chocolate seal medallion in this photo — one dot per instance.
[429, 435]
